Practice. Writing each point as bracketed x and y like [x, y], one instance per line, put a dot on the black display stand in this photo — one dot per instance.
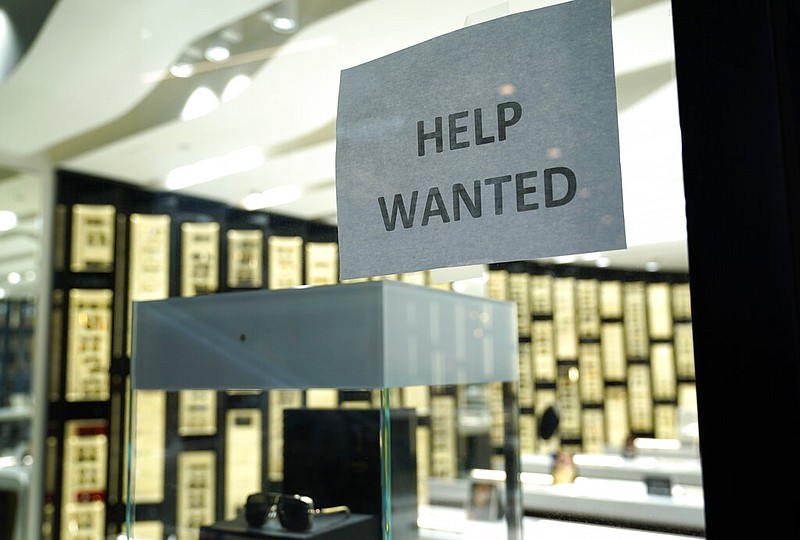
[333, 527]
[334, 457]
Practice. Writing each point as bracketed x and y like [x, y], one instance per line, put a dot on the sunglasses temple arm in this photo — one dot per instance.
[332, 510]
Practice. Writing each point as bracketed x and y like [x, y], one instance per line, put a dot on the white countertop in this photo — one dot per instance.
[681, 470]
[624, 502]
[439, 523]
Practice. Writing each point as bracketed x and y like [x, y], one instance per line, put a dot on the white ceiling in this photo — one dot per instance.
[93, 94]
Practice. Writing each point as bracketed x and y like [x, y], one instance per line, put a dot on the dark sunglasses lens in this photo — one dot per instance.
[257, 507]
[256, 514]
[293, 514]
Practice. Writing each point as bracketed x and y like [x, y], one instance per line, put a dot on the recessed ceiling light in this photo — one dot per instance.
[232, 35]
[14, 277]
[182, 70]
[284, 24]
[201, 102]
[217, 53]
[282, 16]
[235, 87]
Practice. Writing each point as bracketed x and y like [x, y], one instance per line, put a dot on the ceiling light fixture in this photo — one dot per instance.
[284, 24]
[8, 220]
[14, 278]
[217, 53]
[282, 16]
[276, 196]
[232, 34]
[201, 102]
[235, 87]
[182, 70]
[206, 170]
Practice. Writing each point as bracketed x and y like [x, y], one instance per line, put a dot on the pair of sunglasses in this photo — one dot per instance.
[294, 512]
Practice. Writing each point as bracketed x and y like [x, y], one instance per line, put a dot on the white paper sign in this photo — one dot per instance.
[497, 142]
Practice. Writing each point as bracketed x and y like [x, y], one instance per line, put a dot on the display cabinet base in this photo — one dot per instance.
[361, 526]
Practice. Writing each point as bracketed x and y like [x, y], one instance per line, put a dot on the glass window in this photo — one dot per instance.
[193, 151]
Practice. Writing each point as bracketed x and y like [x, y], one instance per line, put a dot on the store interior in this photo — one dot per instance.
[152, 113]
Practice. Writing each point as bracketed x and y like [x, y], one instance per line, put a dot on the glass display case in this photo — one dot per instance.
[322, 412]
